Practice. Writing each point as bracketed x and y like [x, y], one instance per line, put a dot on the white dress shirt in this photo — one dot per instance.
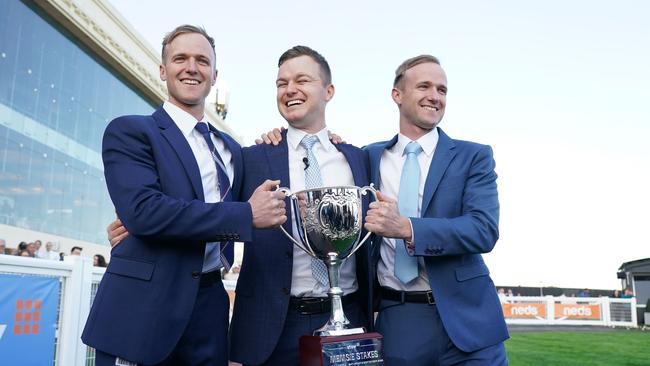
[390, 170]
[335, 171]
[204, 159]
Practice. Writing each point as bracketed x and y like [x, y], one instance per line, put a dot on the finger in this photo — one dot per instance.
[116, 240]
[113, 225]
[372, 211]
[374, 205]
[280, 205]
[258, 141]
[277, 136]
[371, 217]
[278, 195]
[336, 139]
[370, 227]
[118, 231]
[122, 236]
[268, 185]
[389, 199]
[265, 137]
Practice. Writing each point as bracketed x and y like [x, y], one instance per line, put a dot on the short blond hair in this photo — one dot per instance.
[412, 62]
[183, 29]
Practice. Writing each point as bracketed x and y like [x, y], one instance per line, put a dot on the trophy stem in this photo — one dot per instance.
[337, 324]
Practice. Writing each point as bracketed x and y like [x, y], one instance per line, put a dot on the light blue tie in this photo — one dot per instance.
[406, 266]
[313, 179]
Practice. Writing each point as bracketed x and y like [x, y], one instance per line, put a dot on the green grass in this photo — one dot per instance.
[624, 348]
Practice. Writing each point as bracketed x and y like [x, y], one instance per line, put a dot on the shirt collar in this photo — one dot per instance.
[428, 142]
[294, 136]
[185, 121]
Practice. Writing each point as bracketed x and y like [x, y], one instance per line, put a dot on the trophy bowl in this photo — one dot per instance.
[329, 221]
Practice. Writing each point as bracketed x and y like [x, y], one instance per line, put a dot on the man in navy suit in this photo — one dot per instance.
[438, 305]
[173, 179]
[279, 296]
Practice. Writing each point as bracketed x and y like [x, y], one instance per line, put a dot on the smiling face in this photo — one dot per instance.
[421, 96]
[189, 70]
[302, 94]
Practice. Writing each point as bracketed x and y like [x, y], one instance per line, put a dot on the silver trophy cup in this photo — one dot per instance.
[329, 223]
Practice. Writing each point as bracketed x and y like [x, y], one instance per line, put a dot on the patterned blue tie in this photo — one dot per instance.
[222, 176]
[212, 256]
[406, 266]
[313, 179]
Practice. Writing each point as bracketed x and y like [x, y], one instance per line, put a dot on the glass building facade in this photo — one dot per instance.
[56, 99]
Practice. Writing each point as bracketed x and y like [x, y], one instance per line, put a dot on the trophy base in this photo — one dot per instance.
[338, 332]
[354, 349]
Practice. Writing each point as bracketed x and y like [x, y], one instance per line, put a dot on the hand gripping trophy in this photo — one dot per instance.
[329, 222]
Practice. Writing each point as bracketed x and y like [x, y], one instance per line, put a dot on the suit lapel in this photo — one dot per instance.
[374, 154]
[375, 151]
[175, 137]
[278, 163]
[443, 155]
[355, 165]
[238, 165]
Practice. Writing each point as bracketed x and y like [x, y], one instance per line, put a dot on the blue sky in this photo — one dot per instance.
[558, 89]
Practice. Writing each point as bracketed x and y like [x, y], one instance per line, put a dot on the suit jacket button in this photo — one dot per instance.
[196, 274]
[289, 255]
[285, 291]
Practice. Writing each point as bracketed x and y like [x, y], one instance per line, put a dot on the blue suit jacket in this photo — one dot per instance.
[146, 297]
[460, 216]
[264, 283]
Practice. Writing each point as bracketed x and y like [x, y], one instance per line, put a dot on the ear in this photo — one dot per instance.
[329, 92]
[163, 73]
[397, 96]
[214, 79]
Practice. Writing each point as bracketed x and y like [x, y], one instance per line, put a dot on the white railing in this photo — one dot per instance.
[79, 281]
[76, 275]
[550, 310]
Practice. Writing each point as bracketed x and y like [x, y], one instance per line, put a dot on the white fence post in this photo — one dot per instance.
[550, 309]
[605, 310]
[74, 311]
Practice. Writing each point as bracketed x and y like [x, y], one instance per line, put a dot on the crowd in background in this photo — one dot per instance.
[36, 249]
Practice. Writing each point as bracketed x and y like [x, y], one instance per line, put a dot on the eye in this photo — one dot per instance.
[281, 84]
[442, 91]
[204, 62]
[302, 81]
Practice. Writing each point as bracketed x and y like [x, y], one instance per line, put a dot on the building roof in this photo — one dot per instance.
[639, 265]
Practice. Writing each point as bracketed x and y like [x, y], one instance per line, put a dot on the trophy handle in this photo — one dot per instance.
[287, 193]
[364, 191]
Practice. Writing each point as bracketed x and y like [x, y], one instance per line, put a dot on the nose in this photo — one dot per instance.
[434, 96]
[190, 65]
[291, 88]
